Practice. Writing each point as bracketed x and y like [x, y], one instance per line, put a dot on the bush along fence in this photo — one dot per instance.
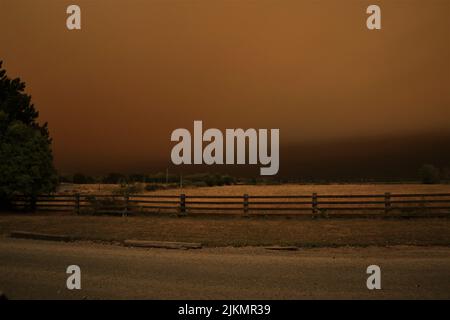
[245, 205]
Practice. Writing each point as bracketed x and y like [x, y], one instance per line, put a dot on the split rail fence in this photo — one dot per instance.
[246, 205]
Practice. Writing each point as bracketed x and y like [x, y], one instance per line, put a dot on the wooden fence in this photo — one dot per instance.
[246, 205]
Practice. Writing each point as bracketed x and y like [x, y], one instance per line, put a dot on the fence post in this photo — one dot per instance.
[182, 204]
[33, 203]
[314, 203]
[127, 199]
[77, 203]
[387, 202]
[245, 205]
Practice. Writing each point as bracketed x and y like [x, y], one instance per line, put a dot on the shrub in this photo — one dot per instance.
[129, 189]
[80, 178]
[154, 187]
[114, 178]
[429, 174]
[96, 204]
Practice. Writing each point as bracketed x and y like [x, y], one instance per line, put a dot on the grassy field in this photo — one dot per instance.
[237, 231]
[401, 206]
[284, 189]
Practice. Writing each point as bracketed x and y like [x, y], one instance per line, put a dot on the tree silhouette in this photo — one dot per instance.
[429, 174]
[26, 160]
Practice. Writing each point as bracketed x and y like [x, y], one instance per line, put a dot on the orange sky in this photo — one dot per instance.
[114, 91]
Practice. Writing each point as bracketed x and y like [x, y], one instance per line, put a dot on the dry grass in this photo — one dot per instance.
[298, 189]
[240, 231]
[235, 206]
[285, 189]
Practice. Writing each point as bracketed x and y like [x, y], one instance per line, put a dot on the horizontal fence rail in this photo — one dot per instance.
[246, 205]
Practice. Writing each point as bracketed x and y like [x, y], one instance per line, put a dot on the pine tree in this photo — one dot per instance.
[26, 159]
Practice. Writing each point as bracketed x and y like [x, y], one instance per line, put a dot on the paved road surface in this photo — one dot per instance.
[36, 269]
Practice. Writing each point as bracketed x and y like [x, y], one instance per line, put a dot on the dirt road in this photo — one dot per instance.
[37, 269]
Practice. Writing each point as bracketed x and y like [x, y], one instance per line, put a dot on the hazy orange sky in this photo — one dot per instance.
[114, 91]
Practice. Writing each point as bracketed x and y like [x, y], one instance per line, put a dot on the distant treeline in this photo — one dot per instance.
[428, 174]
[160, 178]
[198, 179]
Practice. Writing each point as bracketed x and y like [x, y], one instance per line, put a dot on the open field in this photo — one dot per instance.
[284, 189]
[413, 253]
[287, 199]
[238, 231]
